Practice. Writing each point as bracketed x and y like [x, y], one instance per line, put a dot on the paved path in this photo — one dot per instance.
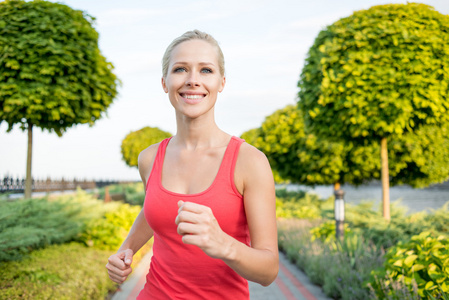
[290, 284]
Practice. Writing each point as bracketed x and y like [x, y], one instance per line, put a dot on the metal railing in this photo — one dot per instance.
[17, 185]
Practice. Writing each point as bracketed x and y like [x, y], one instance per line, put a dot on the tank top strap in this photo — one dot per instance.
[229, 160]
[158, 160]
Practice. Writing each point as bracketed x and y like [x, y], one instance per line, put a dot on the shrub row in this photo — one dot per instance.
[340, 273]
[132, 193]
[31, 224]
[72, 270]
[68, 271]
[413, 267]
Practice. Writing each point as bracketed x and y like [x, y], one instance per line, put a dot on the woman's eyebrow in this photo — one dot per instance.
[186, 63]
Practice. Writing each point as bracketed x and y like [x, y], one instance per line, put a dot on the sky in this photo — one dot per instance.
[265, 44]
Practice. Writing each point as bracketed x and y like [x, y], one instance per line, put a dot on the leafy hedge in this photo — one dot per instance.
[133, 192]
[31, 224]
[360, 269]
[422, 263]
[340, 270]
[72, 270]
[109, 232]
[69, 271]
[291, 204]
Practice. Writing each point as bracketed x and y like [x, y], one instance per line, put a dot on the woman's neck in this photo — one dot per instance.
[201, 132]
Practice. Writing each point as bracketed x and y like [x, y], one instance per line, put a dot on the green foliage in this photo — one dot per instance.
[52, 74]
[420, 158]
[30, 224]
[364, 218]
[340, 269]
[133, 192]
[438, 220]
[301, 157]
[311, 244]
[326, 232]
[382, 73]
[137, 141]
[299, 205]
[377, 73]
[109, 232]
[423, 260]
[69, 271]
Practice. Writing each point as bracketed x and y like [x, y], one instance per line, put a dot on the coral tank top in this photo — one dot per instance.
[180, 271]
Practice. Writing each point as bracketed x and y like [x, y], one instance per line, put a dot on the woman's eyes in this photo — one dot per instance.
[206, 70]
[182, 69]
[178, 70]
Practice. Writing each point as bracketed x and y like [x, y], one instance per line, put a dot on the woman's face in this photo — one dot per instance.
[193, 79]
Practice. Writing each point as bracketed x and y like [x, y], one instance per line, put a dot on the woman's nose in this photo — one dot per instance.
[192, 79]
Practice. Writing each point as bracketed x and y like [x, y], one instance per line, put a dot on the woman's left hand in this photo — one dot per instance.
[198, 226]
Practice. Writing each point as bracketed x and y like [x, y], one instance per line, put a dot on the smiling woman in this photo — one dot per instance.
[193, 79]
[210, 201]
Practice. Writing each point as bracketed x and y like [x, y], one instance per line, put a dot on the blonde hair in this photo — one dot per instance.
[192, 35]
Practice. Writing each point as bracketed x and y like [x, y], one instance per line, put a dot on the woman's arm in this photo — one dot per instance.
[197, 225]
[254, 179]
[119, 264]
[141, 232]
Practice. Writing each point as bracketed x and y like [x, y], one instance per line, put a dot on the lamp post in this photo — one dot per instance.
[339, 211]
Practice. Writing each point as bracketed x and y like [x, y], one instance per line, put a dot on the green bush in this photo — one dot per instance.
[438, 220]
[31, 224]
[340, 268]
[300, 205]
[326, 232]
[370, 222]
[69, 271]
[109, 231]
[284, 194]
[133, 193]
[135, 198]
[353, 260]
[423, 260]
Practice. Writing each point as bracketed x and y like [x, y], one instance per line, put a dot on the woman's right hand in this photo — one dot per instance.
[119, 265]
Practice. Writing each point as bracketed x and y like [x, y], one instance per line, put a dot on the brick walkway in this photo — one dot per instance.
[290, 284]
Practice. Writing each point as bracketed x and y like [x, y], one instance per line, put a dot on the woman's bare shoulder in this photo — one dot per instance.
[148, 153]
[251, 156]
[145, 161]
[252, 166]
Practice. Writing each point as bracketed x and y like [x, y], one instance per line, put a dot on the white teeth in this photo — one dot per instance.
[192, 96]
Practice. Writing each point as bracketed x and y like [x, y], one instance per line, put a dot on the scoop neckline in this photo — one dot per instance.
[195, 194]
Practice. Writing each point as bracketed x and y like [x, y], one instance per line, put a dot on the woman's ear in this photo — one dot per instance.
[164, 86]
[223, 83]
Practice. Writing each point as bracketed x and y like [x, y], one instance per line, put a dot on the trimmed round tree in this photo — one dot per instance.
[378, 74]
[52, 74]
[417, 158]
[136, 141]
[420, 158]
[303, 158]
[253, 137]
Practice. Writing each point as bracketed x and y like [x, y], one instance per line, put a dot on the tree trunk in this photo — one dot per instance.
[385, 179]
[28, 183]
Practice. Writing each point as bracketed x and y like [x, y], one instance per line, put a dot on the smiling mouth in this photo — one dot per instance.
[192, 97]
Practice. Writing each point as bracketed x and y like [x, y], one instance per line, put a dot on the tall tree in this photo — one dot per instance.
[52, 74]
[301, 157]
[138, 140]
[417, 158]
[376, 75]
